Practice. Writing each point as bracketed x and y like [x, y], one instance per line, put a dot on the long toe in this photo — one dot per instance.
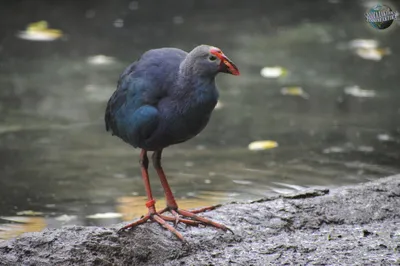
[203, 220]
[181, 220]
[205, 209]
[161, 220]
[167, 226]
[136, 223]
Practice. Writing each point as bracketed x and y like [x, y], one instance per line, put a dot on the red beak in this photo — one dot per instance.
[226, 66]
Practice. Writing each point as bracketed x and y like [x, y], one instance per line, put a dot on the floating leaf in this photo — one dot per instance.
[39, 31]
[375, 54]
[242, 182]
[263, 145]
[119, 23]
[65, 218]
[38, 26]
[384, 137]
[29, 213]
[101, 60]
[356, 91]
[334, 150]
[365, 149]
[107, 215]
[364, 43]
[273, 72]
[294, 91]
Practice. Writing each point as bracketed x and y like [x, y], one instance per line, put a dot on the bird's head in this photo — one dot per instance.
[210, 60]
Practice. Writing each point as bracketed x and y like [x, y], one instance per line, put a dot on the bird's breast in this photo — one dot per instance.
[182, 120]
[188, 122]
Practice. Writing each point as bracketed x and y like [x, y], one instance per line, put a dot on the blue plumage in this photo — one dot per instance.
[165, 97]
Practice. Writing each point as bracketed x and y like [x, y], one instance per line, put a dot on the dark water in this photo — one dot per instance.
[58, 162]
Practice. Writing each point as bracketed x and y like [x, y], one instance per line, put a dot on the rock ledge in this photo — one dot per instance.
[354, 225]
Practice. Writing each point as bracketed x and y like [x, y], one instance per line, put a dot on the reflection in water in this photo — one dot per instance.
[56, 158]
[20, 224]
[128, 208]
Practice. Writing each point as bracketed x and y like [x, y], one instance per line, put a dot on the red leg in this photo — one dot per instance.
[152, 214]
[171, 203]
[144, 165]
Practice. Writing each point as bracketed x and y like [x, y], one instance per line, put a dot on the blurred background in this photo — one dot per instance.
[318, 83]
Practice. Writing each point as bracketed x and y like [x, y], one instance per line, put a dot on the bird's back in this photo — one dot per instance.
[131, 112]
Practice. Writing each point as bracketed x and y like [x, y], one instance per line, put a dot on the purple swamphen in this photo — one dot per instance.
[166, 97]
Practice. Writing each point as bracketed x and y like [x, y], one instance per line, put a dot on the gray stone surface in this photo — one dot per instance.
[357, 225]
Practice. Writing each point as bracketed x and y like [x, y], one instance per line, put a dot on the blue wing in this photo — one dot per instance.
[129, 115]
[131, 112]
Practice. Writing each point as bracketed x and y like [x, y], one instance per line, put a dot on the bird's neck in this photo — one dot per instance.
[191, 82]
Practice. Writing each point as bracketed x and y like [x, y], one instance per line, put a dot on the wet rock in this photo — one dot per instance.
[356, 225]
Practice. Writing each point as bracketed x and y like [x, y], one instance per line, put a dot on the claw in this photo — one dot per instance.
[176, 215]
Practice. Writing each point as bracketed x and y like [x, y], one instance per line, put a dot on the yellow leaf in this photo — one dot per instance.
[39, 31]
[273, 72]
[262, 145]
[40, 25]
[294, 91]
[364, 43]
[29, 212]
[374, 54]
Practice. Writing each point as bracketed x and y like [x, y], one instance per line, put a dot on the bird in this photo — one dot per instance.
[164, 98]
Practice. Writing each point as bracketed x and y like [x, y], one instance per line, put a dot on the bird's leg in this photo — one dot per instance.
[144, 166]
[172, 206]
[169, 196]
[150, 204]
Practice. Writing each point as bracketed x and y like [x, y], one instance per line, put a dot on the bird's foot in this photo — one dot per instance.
[161, 220]
[190, 217]
[178, 216]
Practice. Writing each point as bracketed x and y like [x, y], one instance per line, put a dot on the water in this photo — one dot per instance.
[59, 166]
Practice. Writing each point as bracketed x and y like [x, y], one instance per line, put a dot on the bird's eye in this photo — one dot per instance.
[212, 58]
